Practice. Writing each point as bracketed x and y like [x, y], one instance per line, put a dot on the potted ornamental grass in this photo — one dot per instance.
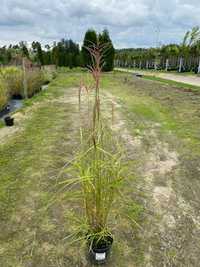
[97, 169]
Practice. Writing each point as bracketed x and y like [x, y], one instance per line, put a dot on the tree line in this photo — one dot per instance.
[65, 53]
[181, 57]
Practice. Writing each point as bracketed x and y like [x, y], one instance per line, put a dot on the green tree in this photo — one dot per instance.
[37, 49]
[89, 39]
[47, 55]
[109, 51]
[66, 53]
[24, 49]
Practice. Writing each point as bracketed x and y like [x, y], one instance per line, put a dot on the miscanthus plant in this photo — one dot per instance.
[98, 166]
[100, 173]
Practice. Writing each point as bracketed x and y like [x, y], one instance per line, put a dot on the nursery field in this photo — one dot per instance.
[156, 218]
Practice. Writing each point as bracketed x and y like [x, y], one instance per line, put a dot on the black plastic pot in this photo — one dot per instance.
[17, 97]
[99, 250]
[139, 75]
[9, 121]
[46, 82]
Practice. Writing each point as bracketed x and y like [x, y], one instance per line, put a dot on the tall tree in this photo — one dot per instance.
[109, 51]
[89, 39]
[191, 44]
[37, 49]
[24, 49]
[47, 55]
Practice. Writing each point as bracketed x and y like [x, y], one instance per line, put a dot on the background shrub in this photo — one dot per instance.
[49, 73]
[3, 95]
[35, 79]
[12, 82]
[13, 78]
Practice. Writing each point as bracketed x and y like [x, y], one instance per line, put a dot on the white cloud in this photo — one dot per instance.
[130, 22]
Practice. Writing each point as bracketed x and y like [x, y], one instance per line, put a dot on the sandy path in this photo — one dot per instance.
[192, 79]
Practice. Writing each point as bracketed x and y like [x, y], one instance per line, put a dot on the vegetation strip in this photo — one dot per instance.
[173, 83]
[180, 85]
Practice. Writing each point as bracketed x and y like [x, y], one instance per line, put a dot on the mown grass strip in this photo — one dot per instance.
[180, 85]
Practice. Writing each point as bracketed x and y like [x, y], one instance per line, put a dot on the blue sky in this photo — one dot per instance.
[131, 23]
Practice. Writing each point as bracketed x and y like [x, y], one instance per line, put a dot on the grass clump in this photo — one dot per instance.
[97, 168]
[35, 80]
[13, 78]
[3, 95]
[100, 174]
[49, 73]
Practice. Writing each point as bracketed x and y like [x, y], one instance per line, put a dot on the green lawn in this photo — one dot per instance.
[159, 126]
[173, 83]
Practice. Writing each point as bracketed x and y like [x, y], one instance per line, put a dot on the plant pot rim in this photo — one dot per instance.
[100, 246]
[8, 118]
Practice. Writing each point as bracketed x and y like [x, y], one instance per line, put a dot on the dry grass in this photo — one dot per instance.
[13, 78]
[3, 95]
[35, 79]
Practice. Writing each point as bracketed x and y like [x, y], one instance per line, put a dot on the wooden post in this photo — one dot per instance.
[24, 79]
[180, 64]
[167, 64]
[199, 67]
[155, 65]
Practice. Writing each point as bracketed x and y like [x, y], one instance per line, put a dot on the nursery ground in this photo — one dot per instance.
[157, 225]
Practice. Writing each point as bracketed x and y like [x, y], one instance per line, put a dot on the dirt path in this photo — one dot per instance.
[190, 79]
